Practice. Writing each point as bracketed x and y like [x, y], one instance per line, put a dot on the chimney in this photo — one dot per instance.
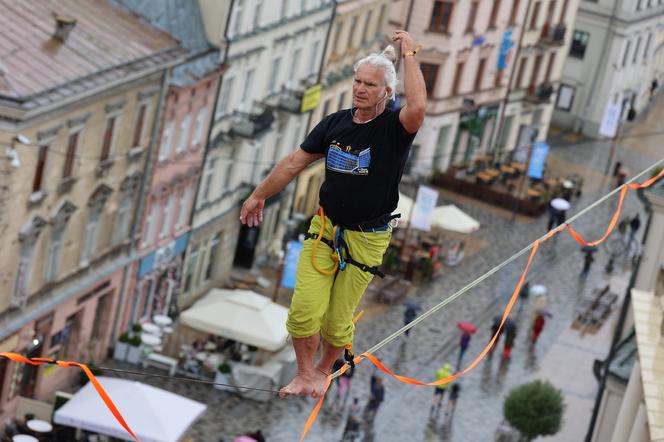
[63, 26]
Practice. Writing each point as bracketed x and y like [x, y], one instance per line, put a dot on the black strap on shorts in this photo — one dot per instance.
[349, 259]
[367, 226]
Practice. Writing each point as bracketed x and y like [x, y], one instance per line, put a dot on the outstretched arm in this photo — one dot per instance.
[283, 173]
[412, 114]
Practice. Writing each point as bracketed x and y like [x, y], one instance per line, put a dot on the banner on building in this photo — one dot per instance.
[538, 160]
[290, 264]
[311, 98]
[610, 120]
[505, 49]
[425, 203]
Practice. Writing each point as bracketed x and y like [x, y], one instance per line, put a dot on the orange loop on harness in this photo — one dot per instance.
[95, 383]
[508, 308]
[314, 248]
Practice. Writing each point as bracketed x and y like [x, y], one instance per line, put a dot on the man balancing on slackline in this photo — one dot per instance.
[365, 150]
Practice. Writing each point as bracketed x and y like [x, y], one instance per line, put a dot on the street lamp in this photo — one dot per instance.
[11, 153]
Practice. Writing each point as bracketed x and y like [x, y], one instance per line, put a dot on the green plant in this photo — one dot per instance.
[136, 328]
[124, 337]
[135, 341]
[535, 409]
[224, 368]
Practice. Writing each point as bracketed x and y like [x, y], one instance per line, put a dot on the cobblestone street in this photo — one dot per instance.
[404, 416]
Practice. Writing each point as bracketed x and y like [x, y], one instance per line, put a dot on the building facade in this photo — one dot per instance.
[81, 135]
[614, 56]
[491, 69]
[273, 56]
[358, 29]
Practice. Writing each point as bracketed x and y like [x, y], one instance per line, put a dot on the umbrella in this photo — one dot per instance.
[560, 204]
[538, 290]
[412, 305]
[466, 327]
[568, 184]
[545, 312]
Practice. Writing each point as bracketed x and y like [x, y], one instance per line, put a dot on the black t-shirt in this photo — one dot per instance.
[363, 165]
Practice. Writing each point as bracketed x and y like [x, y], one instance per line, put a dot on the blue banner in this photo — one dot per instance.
[538, 159]
[505, 47]
[290, 264]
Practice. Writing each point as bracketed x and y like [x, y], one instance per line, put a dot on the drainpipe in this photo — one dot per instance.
[142, 196]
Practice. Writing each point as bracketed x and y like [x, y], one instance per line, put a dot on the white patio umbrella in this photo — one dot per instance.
[538, 290]
[450, 217]
[560, 204]
[155, 415]
[241, 315]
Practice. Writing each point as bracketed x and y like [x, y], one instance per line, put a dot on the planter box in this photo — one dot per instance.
[134, 354]
[120, 351]
[224, 378]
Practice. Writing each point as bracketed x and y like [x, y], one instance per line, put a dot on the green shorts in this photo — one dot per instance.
[327, 304]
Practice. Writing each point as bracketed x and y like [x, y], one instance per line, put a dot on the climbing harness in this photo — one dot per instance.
[340, 251]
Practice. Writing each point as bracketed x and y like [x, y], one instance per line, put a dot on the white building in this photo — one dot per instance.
[613, 58]
[273, 50]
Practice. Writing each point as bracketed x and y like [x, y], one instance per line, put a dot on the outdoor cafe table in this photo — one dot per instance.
[492, 172]
[519, 166]
[507, 169]
[24, 438]
[151, 328]
[162, 320]
[39, 426]
[150, 340]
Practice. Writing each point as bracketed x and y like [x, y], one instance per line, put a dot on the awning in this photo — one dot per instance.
[241, 315]
[155, 415]
[448, 217]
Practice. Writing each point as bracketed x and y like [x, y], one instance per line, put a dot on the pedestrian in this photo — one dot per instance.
[621, 175]
[353, 422]
[377, 397]
[654, 84]
[510, 337]
[634, 226]
[365, 150]
[343, 382]
[439, 390]
[409, 315]
[464, 342]
[553, 217]
[494, 329]
[455, 390]
[538, 325]
[588, 260]
[524, 294]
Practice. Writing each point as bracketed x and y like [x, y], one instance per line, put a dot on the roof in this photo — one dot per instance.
[181, 19]
[108, 43]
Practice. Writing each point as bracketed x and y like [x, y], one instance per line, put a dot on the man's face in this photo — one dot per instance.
[369, 86]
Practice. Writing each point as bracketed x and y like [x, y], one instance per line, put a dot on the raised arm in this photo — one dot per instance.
[412, 114]
[283, 173]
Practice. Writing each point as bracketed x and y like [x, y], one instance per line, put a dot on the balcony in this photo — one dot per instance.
[540, 93]
[290, 100]
[252, 124]
[553, 35]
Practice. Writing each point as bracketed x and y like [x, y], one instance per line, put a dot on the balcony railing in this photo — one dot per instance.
[251, 124]
[540, 93]
[290, 100]
[553, 35]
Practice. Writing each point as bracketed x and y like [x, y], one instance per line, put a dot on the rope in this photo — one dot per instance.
[314, 248]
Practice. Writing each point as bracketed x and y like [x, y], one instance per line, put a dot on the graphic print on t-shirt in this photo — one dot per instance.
[348, 160]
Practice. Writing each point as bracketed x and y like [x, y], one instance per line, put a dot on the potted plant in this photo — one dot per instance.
[134, 352]
[535, 409]
[121, 347]
[223, 376]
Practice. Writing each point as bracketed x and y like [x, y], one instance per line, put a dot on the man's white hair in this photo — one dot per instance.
[385, 61]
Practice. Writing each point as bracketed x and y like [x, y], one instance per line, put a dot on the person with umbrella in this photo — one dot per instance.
[558, 208]
[467, 329]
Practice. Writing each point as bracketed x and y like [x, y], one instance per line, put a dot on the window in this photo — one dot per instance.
[285, 9]
[23, 274]
[37, 182]
[326, 107]
[515, 13]
[495, 10]
[647, 48]
[70, 156]
[167, 219]
[213, 249]
[480, 74]
[457, 78]
[535, 73]
[441, 16]
[274, 75]
[151, 224]
[563, 11]
[519, 76]
[228, 176]
[342, 100]
[313, 59]
[441, 144]
[245, 101]
[294, 66]
[208, 177]
[138, 129]
[430, 73]
[237, 17]
[535, 16]
[351, 33]
[91, 231]
[224, 99]
[472, 15]
[639, 4]
[579, 43]
[549, 68]
[108, 139]
[367, 24]
[166, 141]
[636, 50]
[381, 17]
[191, 268]
[183, 211]
[498, 79]
[184, 134]
[54, 253]
[199, 127]
[257, 14]
[626, 53]
[337, 36]
[279, 138]
[122, 217]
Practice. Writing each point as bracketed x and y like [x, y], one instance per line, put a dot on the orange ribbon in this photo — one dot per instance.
[65, 364]
[508, 308]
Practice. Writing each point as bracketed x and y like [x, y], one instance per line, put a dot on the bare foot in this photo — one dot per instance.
[306, 383]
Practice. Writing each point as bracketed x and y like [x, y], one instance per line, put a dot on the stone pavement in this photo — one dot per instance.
[404, 416]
